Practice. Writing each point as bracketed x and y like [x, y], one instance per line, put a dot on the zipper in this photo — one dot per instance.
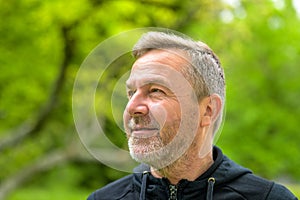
[172, 192]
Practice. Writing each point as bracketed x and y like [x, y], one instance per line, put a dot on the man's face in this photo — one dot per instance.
[161, 105]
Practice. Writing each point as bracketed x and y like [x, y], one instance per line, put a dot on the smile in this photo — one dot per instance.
[144, 132]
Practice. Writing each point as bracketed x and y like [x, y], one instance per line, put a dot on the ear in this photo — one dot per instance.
[211, 107]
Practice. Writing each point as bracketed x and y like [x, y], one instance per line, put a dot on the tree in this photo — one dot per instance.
[43, 44]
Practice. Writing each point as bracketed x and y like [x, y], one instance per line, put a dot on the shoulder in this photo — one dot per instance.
[115, 190]
[254, 187]
[237, 180]
[280, 192]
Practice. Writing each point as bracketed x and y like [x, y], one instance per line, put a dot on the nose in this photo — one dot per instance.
[137, 105]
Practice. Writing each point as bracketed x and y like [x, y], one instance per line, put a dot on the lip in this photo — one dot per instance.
[144, 132]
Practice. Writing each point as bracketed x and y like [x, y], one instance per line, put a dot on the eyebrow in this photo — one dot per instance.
[150, 81]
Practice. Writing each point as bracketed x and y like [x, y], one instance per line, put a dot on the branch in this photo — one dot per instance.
[190, 13]
[45, 163]
[18, 134]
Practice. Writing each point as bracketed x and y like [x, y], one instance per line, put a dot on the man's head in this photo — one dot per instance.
[176, 90]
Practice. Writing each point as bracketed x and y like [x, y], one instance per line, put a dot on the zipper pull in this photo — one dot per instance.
[173, 192]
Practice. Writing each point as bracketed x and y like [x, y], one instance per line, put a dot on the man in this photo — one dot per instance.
[176, 93]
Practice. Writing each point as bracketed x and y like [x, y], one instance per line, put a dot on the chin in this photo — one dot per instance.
[155, 159]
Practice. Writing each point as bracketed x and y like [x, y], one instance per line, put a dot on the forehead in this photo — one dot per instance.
[171, 57]
[158, 66]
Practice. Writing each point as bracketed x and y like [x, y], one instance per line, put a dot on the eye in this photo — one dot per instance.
[130, 93]
[157, 91]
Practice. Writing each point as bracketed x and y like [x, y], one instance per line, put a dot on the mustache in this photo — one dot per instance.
[143, 122]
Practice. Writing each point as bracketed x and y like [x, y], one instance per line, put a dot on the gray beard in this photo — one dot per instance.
[160, 152]
[157, 153]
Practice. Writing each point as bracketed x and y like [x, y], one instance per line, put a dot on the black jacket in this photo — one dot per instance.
[223, 180]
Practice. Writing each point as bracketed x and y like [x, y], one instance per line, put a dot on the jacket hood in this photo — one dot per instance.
[222, 171]
[223, 180]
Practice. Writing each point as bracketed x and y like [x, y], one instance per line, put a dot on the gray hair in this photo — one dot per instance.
[205, 72]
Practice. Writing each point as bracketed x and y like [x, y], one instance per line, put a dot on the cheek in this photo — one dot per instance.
[159, 113]
[126, 118]
[165, 114]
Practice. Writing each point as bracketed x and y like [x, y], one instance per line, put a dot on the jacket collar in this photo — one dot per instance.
[223, 170]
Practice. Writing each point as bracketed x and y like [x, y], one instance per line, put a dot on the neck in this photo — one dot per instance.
[189, 166]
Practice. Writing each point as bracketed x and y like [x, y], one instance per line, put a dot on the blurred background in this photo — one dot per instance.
[43, 43]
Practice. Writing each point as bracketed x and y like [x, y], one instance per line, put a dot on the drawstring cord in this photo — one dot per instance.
[144, 185]
[210, 188]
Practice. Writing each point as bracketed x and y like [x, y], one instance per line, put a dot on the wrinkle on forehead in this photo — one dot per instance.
[157, 66]
[150, 74]
[172, 57]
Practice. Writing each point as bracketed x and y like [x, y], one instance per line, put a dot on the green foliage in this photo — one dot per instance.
[262, 93]
[256, 42]
[295, 189]
[49, 193]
